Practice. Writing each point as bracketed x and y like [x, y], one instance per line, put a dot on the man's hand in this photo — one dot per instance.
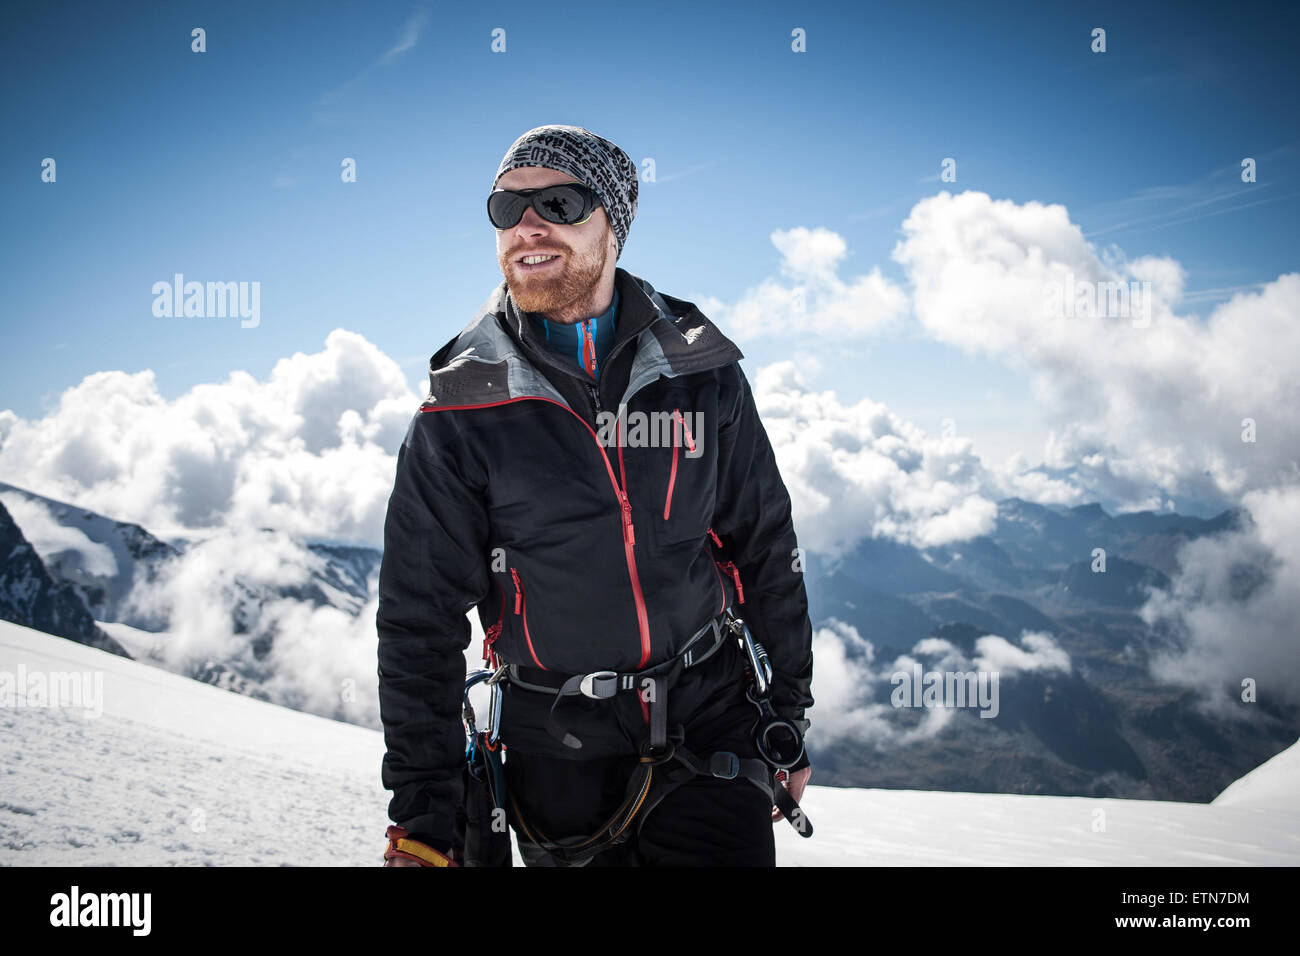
[401, 861]
[795, 784]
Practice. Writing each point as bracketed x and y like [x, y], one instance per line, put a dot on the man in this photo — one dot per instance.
[601, 561]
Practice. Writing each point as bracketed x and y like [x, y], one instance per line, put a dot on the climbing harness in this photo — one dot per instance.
[663, 762]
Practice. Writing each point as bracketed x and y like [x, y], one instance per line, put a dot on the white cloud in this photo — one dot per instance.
[320, 659]
[853, 694]
[810, 297]
[1233, 606]
[1143, 413]
[1038, 652]
[310, 451]
[860, 470]
[48, 537]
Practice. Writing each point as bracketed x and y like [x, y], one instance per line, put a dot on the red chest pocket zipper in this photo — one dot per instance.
[672, 474]
[729, 567]
[521, 610]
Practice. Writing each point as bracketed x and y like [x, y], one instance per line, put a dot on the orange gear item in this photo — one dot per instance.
[400, 844]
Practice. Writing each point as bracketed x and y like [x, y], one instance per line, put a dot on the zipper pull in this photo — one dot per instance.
[519, 589]
[731, 568]
[629, 533]
[686, 429]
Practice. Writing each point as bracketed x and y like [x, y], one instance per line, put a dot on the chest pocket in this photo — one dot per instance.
[687, 472]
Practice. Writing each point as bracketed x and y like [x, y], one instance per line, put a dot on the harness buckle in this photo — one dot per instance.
[724, 764]
[587, 687]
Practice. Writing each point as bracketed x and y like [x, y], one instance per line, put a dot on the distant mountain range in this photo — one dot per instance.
[1104, 728]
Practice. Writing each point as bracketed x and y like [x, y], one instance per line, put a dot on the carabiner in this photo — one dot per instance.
[754, 651]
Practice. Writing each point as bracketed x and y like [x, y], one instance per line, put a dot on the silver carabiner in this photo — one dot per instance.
[758, 661]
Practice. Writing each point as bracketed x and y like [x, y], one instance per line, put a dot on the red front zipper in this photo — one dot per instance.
[629, 535]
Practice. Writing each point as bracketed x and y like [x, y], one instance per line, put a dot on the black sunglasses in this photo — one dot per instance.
[566, 204]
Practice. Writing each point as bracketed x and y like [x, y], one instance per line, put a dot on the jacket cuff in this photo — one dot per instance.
[403, 844]
[795, 715]
[802, 762]
[442, 846]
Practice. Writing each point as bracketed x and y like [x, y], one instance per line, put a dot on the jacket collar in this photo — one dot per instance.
[488, 362]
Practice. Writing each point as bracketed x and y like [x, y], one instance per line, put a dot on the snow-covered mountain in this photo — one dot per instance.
[102, 560]
[212, 608]
[173, 772]
[29, 594]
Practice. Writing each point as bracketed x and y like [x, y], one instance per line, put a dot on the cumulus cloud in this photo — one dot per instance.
[845, 686]
[310, 451]
[48, 536]
[236, 598]
[859, 470]
[1037, 652]
[1146, 406]
[1232, 608]
[854, 690]
[809, 296]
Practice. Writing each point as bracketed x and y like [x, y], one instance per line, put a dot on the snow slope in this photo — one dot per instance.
[178, 772]
[1274, 784]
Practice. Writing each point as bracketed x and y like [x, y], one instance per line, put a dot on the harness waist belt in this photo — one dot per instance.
[602, 685]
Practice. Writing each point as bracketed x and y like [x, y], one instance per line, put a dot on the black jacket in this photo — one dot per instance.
[579, 550]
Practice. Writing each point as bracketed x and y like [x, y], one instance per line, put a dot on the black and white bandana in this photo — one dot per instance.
[588, 158]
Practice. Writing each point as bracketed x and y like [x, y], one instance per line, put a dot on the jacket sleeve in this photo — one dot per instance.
[433, 571]
[753, 511]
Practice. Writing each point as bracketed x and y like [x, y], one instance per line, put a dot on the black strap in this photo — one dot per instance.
[790, 809]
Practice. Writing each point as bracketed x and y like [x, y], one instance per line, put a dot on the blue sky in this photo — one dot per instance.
[225, 165]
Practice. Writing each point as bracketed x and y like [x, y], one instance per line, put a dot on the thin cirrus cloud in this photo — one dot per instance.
[410, 35]
[329, 105]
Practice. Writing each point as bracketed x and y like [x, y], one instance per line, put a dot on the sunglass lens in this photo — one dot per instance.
[561, 204]
[506, 209]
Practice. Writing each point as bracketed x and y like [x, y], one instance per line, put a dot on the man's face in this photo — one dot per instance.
[562, 288]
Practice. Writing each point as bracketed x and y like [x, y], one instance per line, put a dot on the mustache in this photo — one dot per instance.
[517, 254]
